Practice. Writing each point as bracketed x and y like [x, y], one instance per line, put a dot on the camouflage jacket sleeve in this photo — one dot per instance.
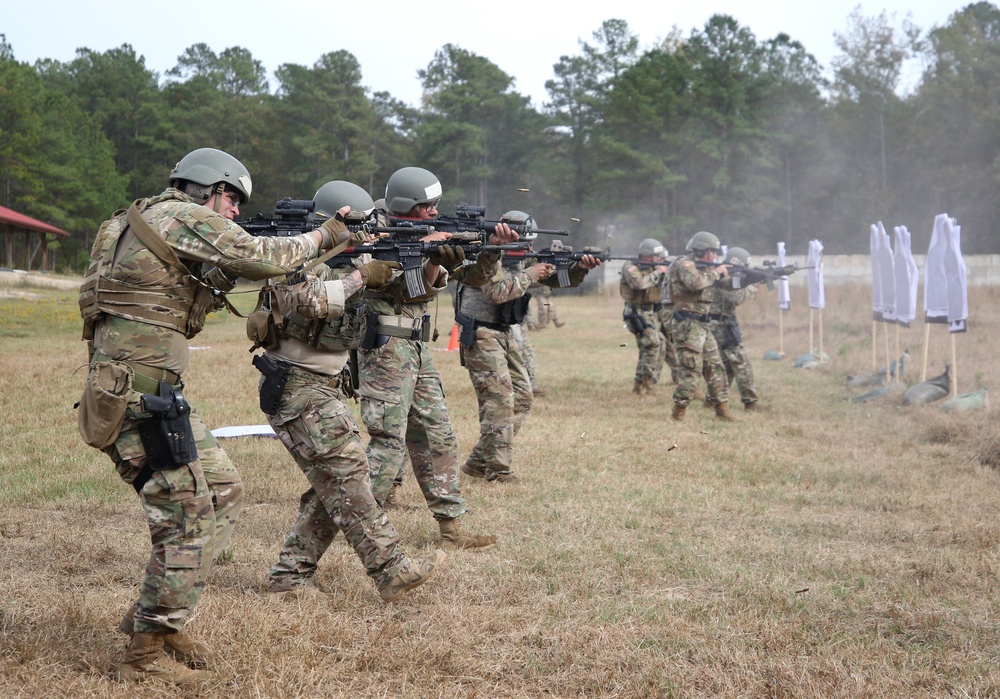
[482, 271]
[694, 279]
[507, 286]
[576, 277]
[197, 233]
[737, 297]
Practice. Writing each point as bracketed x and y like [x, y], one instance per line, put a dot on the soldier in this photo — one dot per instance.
[641, 287]
[313, 326]
[666, 317]
[155, 272]
[487, 315]
[402, 402]
[697, 351]
[726, 328]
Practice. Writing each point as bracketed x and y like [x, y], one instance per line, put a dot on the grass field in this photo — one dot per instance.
[824, 549]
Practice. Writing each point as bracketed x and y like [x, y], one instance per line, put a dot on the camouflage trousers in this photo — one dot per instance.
[503, 390]
[403, 408]
[651, 348]
[316, 427]
[665, 316]
[738, 369]
[698, 356]
[191, 512]
[519, 335]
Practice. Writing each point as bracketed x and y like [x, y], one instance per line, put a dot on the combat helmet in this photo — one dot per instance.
[410, 186]
[339, 193]
[702, 241]
[208, 167]
[525, 222]
[650, 247]
[737, 256]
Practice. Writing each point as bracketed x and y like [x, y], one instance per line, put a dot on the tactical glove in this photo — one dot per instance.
[448, 256]
[377, 273]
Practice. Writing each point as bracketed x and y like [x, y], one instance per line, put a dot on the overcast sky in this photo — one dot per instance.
[392, 39]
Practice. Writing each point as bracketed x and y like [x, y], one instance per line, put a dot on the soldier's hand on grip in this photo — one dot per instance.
[377, 273]
[448, 256]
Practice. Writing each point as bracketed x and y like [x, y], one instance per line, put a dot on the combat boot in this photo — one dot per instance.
[538, 391]
[756, 407]
[181, 645]
[413, 574]
[506, 477]
[452, 537]
[145, 660]
[722, 413]
[649, 386]
[678, 412]
[638, 388]
[470, 470]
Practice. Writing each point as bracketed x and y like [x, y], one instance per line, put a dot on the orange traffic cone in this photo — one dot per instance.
[453, 340]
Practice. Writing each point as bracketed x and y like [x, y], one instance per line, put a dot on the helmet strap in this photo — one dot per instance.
[220, 189]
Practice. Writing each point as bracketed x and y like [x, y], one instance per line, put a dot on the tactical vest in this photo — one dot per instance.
[328, 334]
[181, 307]
[472, 303]
[631, 295]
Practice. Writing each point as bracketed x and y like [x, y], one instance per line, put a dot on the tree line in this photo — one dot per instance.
[717, 130]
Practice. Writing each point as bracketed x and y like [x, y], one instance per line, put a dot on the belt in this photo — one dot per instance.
[400, 326]
[646, 306]
[146, 379]
[502, 327]
[700, 317]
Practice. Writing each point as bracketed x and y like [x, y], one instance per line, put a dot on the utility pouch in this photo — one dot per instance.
[513, 312]
[731, 335]
[102, 406]
[261, 328]
[467, 337]
[167, 437]
[273, 386]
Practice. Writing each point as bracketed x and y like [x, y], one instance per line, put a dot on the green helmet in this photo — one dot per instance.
[333, 195]
[651, 248]
[410, 186]
[209, 167]
[737, 256]
[702, 241]
[525, 221]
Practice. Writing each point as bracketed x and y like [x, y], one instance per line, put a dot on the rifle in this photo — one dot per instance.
[467, 219]
[743, 275]
[410, 253]
[561, 259]
[290, 217]
[770, 273]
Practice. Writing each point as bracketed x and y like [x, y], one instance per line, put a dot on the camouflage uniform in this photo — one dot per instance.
[723, 304]
[519, 334]
[496, 366]
[666, 318]
[641, 288]
[316, 426]
[402, 404]
[139, 312]
[697, 351]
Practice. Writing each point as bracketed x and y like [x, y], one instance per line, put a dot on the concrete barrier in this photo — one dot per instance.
[981, 270]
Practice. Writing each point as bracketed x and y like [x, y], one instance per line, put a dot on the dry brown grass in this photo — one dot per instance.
[827, 548]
